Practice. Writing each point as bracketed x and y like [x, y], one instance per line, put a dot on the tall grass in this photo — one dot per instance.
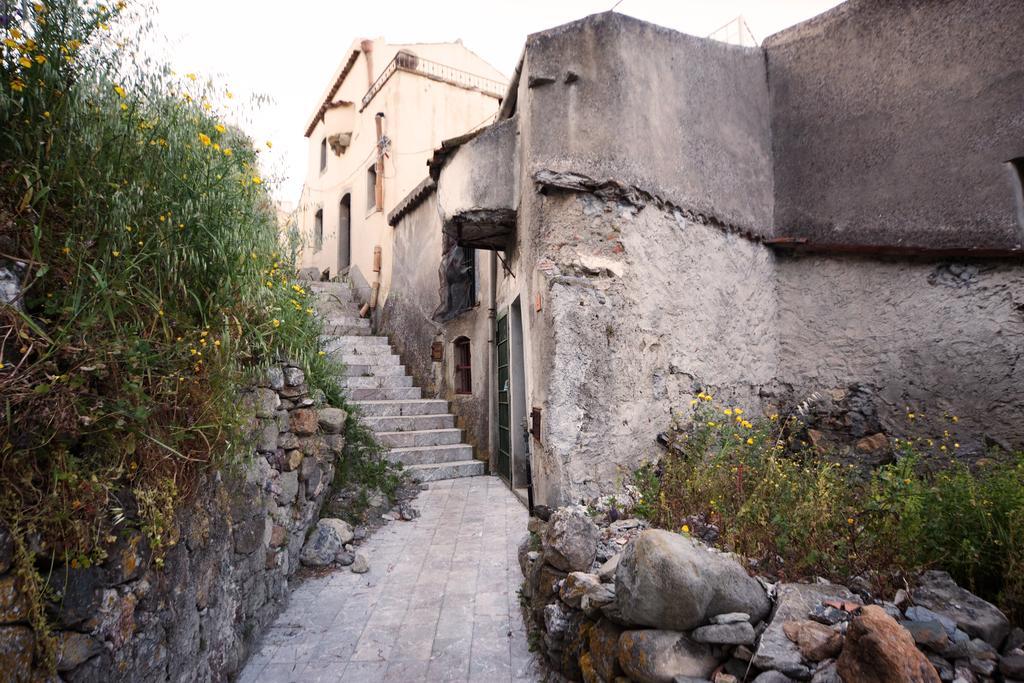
[799, 513]
[152, 280]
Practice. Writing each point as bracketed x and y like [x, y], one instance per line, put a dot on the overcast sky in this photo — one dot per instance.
[289, 50]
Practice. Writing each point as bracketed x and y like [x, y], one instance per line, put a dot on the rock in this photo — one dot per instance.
[74, 648]
[556, 621]
[344, 558]
[293, 377]
[793, 601]
[292, 460]
[607, 571]
[6, 550]
[13, 602]
[604, 649]
[826, 673]
[722, 677]
[929, 634]
[360, 564]
[942, 667]
[267, 402]
[730, 618]
[1012, 666]
[815, 641]
[542, 512]
[918, 613]
[828, 615]
[266, 441]
[310, 470]
[702, 583]
[879, 650]
[332, 420]
[576, 585]
[287, 487]
[407, 512]
[304, 421]
[980, 619]
[876, 443]
[275, 377]
[325, 543]
[278, 536]
[657, 656]
[736, 633]
[1014, 640]
[570, 541]
[962, 672]
[16, 643]
[773, 677]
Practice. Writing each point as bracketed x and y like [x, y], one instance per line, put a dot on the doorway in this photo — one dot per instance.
[503, 456]
[344, 233]
[517, 401]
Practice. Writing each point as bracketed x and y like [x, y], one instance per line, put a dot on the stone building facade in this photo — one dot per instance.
[836, 214]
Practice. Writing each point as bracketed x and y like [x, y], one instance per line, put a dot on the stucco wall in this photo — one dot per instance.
[684, 118]
[933, 338]
[891, 123]
[641, 307]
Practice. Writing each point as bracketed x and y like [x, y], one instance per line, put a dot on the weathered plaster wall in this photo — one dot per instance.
[406, 317]
[225, 576]
[685, 118]
[642, 307]
[932, 338]
[891, 123]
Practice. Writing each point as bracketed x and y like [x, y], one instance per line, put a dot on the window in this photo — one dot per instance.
[323, 155]
[318, 230]
[463, 369]
[371, 188]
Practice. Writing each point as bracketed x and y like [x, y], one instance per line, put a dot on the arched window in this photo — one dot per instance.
[318, 230]
[463, 366]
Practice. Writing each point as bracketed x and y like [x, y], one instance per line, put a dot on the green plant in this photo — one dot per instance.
[153, 285]
[799, 514]
[363, 463]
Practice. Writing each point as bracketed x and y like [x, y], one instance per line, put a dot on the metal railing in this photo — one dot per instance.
[405, 61]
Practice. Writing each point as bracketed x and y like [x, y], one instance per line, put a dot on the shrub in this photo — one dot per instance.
[152, 284]
[798, 513]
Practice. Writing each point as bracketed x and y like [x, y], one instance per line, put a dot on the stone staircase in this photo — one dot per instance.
[419, 433]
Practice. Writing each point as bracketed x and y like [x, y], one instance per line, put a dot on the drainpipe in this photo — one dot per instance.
[364, 311]
[378, 186]
[367, 47]
[492, 351]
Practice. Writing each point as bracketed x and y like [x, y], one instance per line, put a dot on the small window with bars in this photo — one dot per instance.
[463, 367]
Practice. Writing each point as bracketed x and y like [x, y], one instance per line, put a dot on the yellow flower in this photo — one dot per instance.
[685, 528]
[956, 445]
[955, 419]
[322, 353]
[746, 424]
[66, 250]
[124, 107]
[160, 312]
[727, 411]
[120, 91]
[910, 416]
[216, 342]
[849, 520]
[25, 62]
[219, 128]
[256, 180]
[190, 77]
[104, 27]
[40, 59]
[750, 441]
[116, 253]
[270, 144]
[277, 323]
[205, 139]
[739, 411]
[228, 94]
[228, 152]
[216, 146]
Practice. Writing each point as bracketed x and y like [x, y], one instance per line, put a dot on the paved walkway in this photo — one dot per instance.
[439, 603]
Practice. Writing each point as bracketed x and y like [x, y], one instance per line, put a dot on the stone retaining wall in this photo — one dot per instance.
[618, 602]
[223, 580]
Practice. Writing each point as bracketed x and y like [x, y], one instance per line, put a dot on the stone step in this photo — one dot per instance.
[359, 330]
[409, 423]
[385, 408]
[342, 319]
[446, 470]
[368, 358]
[430, 455]
[384, 394]
[420, 438]
[355, 344]
[378, 382]
[372, 370]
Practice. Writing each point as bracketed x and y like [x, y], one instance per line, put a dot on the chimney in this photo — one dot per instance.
[367, 47]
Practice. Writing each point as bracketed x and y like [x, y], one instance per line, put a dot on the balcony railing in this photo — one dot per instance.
[405, 61]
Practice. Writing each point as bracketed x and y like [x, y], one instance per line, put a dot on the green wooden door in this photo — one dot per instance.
[503, 458]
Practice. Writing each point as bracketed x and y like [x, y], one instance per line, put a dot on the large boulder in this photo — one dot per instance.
[879, 650]
[656, 656]
[980, 619]
[570, 540]
[326, 542]
[793, 601]
[670, 581]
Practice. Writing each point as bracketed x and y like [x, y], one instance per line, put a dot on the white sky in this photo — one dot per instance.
[289, 50]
